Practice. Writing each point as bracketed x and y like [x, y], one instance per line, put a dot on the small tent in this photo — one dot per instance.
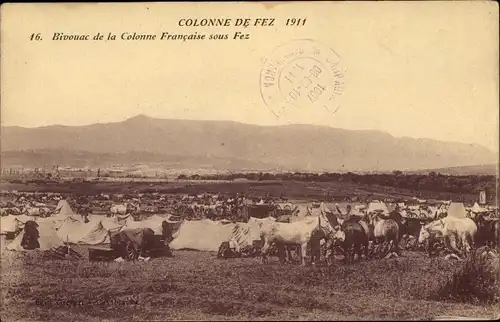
[97, 231]
[9, 224]
[122, 219]
[377, 207]
[203, 235]
[244, 235]
[62, 212]
[154, 223]
[457, 210]
[94, 232]
[63, 209]
[24, 218]
[72, 231]
[301, 210]
[477, 208]
[48, 238]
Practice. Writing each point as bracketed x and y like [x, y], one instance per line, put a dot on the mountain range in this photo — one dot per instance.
[227, 145]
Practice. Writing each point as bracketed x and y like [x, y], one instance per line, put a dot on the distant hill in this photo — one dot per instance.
[481, 169]
[231, 145]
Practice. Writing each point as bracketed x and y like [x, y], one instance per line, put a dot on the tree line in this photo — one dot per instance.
[432, 181]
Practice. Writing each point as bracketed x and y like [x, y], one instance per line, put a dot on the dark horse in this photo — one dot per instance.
[488, 231]
[30, 236]
[355, 238]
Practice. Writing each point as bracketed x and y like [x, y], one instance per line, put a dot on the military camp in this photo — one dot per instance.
[299, 161]
[244, 255]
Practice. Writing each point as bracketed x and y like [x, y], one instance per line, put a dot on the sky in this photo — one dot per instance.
[423, 70]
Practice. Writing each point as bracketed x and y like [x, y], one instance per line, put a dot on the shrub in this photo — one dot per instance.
[477, 281]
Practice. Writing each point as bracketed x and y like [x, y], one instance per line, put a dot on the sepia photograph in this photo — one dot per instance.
[205, 161]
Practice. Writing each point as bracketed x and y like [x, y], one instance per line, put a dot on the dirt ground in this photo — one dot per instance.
[198, 286]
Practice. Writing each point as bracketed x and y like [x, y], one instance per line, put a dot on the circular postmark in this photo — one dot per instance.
[302, 73]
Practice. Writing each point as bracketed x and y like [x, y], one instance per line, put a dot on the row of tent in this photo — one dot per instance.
[68, 227]
[202, 235]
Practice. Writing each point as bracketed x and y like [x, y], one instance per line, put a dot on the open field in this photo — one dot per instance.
[196, 285]
[288, 189]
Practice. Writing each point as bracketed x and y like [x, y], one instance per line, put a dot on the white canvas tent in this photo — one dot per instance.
[24, 218]
[457, 210]
[96, 231]
[48, 238]
[9, 224]
[377, 206]
[477, 208]
[62, 212]
[154, 222]
[63, 209]
[72, 231]
[302, 211]
[203, 235]
[244, 234]
[122, 219]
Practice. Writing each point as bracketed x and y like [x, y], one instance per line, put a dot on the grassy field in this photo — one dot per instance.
[288, 189]
[196, 285]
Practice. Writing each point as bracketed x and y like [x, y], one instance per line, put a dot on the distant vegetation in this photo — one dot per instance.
[470, 184]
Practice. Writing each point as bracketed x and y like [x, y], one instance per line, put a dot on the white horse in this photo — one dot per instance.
[453, 230]
[296, 233]
[383, 231]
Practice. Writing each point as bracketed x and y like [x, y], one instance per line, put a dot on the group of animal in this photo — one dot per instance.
[356, 233]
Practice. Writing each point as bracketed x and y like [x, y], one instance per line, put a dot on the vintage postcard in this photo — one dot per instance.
[249, 161]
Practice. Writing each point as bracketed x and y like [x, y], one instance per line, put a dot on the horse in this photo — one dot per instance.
[30, 236]
[409, 231]
[286, 249]
[453, 230]
[441, 212]
[355, 237]
[315, 245]
[487, 231]
[297, 233]
[365, 223]
[383, 230]
[408, 227]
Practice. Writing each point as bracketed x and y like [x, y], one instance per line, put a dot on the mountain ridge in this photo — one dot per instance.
[302, 147]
